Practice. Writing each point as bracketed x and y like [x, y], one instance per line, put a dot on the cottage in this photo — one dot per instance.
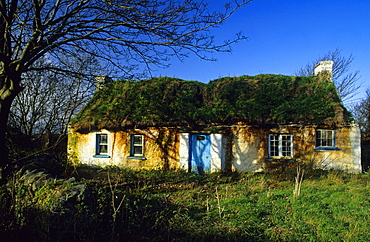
[241, 123]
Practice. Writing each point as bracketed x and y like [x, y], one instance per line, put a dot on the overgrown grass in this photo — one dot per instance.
[179, 206]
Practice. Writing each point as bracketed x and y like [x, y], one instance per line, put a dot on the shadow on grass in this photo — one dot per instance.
[127, 205]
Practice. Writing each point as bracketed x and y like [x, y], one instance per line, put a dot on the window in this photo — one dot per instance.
[325, 138]
[281, 145]
[101, 144]
[137, 145]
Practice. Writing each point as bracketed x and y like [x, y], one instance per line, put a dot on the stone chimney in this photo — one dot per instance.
[324, 68]
[100, 81]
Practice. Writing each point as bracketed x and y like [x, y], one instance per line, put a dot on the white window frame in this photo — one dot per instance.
[279, 141]
[325, 138]
[99, 143]
[134, 144]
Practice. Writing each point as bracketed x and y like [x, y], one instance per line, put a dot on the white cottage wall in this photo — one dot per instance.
[247, 149]
[87, 149]
[217, 152]
[348, 155]
[355, 137]
[184, 151]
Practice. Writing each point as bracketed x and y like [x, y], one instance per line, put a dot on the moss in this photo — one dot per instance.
[261, 99]
[73, 148]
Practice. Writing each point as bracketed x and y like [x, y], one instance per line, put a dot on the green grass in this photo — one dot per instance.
[179, 206]
[234, 207]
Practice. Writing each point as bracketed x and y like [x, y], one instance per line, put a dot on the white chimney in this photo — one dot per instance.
[324, 67]
[100, 81]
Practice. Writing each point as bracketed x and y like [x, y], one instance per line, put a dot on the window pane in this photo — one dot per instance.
[285, 137]
[274, 145]
[330, 138]
[103, 148]
[275, 151]
[102, 144]
[287, 152]
[138, 150]
[281, 145]
[138, 139]
[329, 142]
[102, 138]
[286, 145]
[323, 142]
[323, 135]
[325, 138]
[137, 143]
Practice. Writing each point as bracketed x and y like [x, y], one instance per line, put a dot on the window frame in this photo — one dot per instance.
[319, 141]
[99, 143]
[279, 150]
[133, 145]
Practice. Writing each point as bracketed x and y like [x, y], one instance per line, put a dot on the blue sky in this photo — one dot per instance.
[284, 35]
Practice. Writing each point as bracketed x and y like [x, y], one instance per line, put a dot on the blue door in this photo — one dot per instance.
[200, 153]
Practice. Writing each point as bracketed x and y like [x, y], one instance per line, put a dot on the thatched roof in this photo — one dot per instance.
[249, 99]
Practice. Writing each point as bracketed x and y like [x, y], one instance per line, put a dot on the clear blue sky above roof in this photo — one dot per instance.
[284, 35]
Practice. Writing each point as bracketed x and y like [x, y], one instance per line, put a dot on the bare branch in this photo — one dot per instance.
[347, 82]
[127, 35]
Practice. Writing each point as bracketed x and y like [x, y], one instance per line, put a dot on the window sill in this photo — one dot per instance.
[101, 156]
[136, 157]
[326, 148]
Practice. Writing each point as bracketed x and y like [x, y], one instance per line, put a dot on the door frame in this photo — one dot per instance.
[218, 149]
[200, 153]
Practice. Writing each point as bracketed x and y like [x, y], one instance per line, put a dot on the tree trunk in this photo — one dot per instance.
[4, 113]
[8, 91]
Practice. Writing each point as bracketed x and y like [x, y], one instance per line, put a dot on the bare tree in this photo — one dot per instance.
[361, 113]
[347, 82]
[124, 33]
[48, 101]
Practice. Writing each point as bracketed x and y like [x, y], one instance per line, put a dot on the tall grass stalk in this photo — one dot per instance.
[113, 197]
[298, 182]
[207, 204]
[220, 210]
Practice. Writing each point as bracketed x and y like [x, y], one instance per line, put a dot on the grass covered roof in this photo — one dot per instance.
[251, 99]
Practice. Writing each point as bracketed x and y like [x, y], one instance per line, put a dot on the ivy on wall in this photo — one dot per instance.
[257, 99]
